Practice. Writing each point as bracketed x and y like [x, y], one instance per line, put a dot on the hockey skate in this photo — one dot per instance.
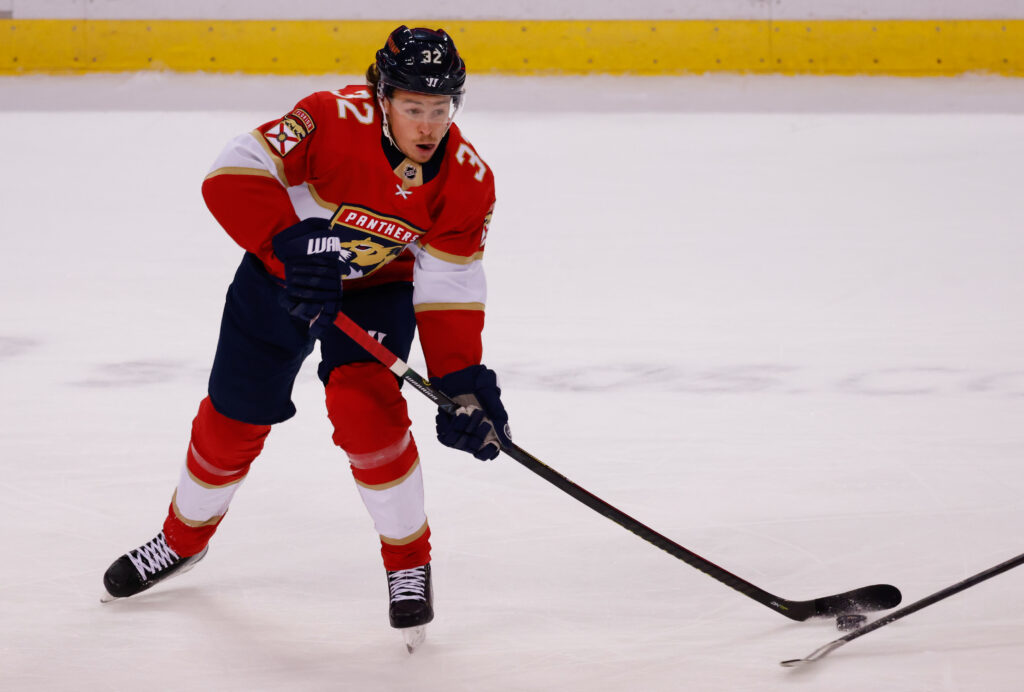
[144, 567]
[412, 603]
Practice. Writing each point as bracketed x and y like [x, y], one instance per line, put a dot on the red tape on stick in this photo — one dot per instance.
[376, 349]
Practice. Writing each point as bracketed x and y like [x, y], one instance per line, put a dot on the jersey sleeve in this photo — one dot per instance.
[450, 289]
[248, 187]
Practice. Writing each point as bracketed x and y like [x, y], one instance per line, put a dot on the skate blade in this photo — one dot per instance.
[414, 637]
[107, 598]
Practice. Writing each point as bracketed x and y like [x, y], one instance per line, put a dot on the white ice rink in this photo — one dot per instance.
[779, 320]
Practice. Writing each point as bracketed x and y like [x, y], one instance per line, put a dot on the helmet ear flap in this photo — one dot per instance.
[372, 75]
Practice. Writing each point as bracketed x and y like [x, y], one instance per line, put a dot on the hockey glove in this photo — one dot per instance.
[313, 266]
[480, 425]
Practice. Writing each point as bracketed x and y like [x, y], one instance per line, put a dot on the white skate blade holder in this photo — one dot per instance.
[414, 637]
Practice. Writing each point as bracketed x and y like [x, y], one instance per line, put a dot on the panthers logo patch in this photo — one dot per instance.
[369, 239]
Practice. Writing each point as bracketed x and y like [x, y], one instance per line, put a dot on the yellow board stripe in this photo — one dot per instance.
[886, 47]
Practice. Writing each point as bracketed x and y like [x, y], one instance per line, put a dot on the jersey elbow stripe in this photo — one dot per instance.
[244, 155]
[454, 259]
[307, 204]
[449, 289]
[431, 307]
[276, 160]
[238, 170]
[320, 200]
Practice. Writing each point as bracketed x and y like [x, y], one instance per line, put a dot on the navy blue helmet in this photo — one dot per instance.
[421, 60]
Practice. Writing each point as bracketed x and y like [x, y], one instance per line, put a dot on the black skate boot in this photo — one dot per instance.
[412, 603]
[146, 566]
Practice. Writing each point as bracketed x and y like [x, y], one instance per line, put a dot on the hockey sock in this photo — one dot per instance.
[371, 424]
[218, 459]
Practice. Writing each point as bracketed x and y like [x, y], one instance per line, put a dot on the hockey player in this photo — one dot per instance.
[369, 200]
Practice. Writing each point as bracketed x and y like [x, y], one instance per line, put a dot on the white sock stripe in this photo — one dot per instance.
[189, 522]
[385, 455]
[198, 503]
[207, 466]
[398, 511]
[391, 484]
[210, 486]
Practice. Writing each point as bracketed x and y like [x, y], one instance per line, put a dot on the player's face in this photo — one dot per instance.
[418, 122]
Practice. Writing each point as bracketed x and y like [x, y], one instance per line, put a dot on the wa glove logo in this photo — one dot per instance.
[321, 245]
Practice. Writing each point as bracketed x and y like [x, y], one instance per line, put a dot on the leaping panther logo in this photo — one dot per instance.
[365, 256]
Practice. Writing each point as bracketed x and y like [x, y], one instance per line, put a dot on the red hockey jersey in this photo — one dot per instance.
[402, 220]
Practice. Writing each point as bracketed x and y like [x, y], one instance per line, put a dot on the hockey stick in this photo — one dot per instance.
[866, 598]
[823, 651]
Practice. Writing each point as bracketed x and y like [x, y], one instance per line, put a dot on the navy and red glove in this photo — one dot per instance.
[314, 264]
[480, 425]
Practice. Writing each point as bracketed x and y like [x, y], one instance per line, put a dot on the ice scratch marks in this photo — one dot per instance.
[128, 373]
[754, 377]
[901, 381]
[136, 373]
[1010, 382]
[14, 346]
[926, 381]
[769, 378]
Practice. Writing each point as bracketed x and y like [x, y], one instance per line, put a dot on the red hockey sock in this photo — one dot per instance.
[371, 423]
[218, 459]
[406, 555]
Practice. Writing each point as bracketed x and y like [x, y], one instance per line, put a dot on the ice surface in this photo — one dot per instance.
[779, 320]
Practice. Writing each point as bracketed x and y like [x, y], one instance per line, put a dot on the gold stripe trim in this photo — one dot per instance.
[408, 539]
[278, 163]
[238, 170]
[320, 200]
[454, 259]
[431, 307]
[209, 486]
[905, 47]
[391, 484]
[189, 522]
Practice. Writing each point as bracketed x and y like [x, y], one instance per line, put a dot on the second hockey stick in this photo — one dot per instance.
[823, 651]
[866, 598]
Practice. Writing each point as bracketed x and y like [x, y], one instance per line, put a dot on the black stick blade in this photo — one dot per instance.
[864, 599]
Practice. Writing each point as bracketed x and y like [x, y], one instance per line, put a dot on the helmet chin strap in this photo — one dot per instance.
[384, 116]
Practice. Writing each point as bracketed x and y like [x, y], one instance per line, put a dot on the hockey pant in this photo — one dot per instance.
[259, 353]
